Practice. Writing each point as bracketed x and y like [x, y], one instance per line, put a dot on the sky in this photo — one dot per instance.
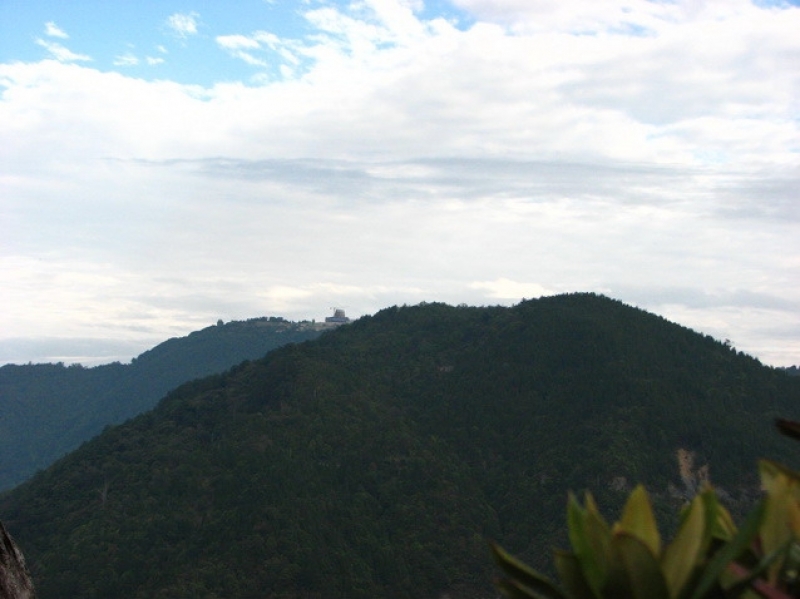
[165, 164]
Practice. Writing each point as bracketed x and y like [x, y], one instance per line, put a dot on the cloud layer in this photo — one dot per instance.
[645, 150]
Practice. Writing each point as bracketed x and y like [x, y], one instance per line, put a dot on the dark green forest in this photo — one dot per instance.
[379, 458]
[47, 410]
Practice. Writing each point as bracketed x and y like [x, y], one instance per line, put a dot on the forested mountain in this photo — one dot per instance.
[375, 460]
[47, 410]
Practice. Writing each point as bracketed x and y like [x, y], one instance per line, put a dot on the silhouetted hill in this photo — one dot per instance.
[375, 460]
[47, 410]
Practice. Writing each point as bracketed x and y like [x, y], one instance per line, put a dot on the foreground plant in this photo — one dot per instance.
[708, 558]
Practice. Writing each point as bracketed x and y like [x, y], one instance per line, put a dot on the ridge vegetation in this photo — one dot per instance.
[378, 459]
[47, 410]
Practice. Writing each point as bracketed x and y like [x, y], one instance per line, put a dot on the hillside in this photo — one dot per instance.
[375, 460]
[47, 410]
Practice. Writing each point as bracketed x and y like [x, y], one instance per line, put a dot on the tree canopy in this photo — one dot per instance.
[377, 459]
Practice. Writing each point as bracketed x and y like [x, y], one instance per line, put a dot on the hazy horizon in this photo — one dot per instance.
[164, 165]
[56, 350]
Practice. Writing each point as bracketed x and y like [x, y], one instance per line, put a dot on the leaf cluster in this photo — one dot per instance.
[707, 559]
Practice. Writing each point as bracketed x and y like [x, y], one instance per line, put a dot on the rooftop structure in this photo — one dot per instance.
[337, 318]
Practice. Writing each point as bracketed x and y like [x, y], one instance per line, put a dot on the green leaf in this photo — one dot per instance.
[571, 576]
[781, 520]
[575, 523]
[730, 551]
[790, 574]
[750, 578]
[597, 557]
[682, 555]
[522, 575]
[587, 530]
[718, 520]
[638, 520]
[769, 469]
[645, 578]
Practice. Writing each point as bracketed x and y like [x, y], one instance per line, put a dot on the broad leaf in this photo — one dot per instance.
[730, 551]
[749, 579]
[781, 521]
[590, 537]
[571, 576]
[718, 520]
[682, 555]
[645, 579]
[638, 520]
[523, 575]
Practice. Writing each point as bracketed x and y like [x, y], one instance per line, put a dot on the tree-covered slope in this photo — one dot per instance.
[375, 460]
[47, 410]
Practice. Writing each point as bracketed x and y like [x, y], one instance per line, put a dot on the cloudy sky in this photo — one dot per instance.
[168, 163]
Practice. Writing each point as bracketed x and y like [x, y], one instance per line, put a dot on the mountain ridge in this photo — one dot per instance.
[49, 409]
[376, 460]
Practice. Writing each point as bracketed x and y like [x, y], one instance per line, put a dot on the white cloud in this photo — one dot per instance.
[53, 30]
[507, 289]
[399, 160]
[591, 17]
[240, 46]
[237, 42]
[126, 60]
[248, 48]
[183, 24]
[637, 99]
[61, 53]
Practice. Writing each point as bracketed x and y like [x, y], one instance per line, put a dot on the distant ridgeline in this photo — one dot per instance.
[47, 410]
[376, 460]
